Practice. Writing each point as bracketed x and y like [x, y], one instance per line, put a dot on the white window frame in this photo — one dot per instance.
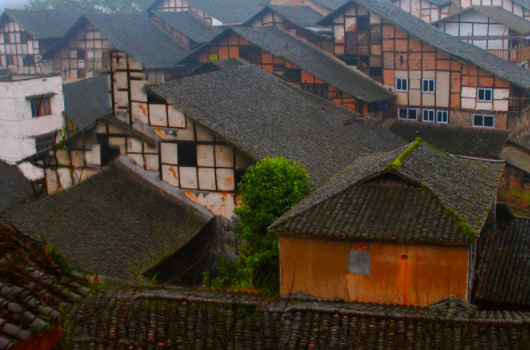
[442, 111]
[433, 115]
[483, 116]
[433, 86]
[408, 109]
[402, 79]
[485, 89]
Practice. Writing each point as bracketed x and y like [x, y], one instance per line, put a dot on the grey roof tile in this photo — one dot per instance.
[189, 25]
[302, 16]
[14, 187]
[330, 4]
[427, 33]
[261, 115]
[49, 24]
[229, 11]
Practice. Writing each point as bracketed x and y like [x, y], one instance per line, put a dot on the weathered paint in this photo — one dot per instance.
[219, 203]
[399, 274]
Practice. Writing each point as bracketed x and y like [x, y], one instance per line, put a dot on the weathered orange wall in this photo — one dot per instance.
[319, 267]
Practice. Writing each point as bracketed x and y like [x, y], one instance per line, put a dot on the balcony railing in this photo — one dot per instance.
[514, 55]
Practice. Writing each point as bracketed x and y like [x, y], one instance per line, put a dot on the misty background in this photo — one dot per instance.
[13, 4]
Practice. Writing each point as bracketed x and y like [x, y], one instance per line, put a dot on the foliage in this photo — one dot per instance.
[107, 6]
[268, 189]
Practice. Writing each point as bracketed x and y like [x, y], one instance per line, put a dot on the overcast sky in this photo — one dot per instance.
[12, 4]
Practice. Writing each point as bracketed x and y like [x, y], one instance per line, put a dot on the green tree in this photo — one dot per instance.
[268, 189]
[107, 6]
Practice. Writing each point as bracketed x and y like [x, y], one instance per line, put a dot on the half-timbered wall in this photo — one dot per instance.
[182, 39]
[235, 46]
[19, 50]
[271, 18]
[385, 49]
[183, 5]
[423, 9]
[508, 5]
[479, 30]
[93, 151]
[83, 56]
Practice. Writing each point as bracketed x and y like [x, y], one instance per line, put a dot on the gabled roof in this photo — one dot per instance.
[189, 25]
[36, 290]
[118, 223]
[503, 274]
[87, 100]
[464, 141]
[212, 319]
[14, 187]
[261, 115]
[415, 194]
[330, 4]
[311, 59]
[301, 16]
[227, 11]
[440, 40]
[517, 24]
[134, 34]
[49, 24]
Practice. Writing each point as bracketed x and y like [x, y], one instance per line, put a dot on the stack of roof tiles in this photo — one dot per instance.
[36, 287]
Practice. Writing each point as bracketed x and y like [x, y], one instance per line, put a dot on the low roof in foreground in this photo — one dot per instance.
[118, 223]
[208, 319]
[14, 186]
[415, 194]
[261, 115]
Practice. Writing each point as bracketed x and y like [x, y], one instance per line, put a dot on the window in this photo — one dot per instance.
[362, 23]
[359, 258]
[279, 70]
[187, 154]
[428, 115]
[293, 75]
[80, 54]
[428, 85]
[40, 106]
[213, 56]
[9, 60]
[351, 43]
[376, 72]
[81, 73]
[107, 152]
[316, 89]
[44, 141]
[486, 121]
[402, 84]
[29, 60]
[250, 53]
[239, 176]
[408, 113]
[23, 38]
[7, 38]
[484, 95]
[442, 117]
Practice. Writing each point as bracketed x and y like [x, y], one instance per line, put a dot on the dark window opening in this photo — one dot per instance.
[321, 90]
[43, 142]
[238, 177]
[23, 38]
[376, 72]
[293, 75]
[487, 121]
[41, 107]
[9, 60]
[279, 70]
[187, 154]
[485, 95]
[250, 53]
[428, 85]
[29, 60]
[351, 43]
[350, 60]
[81, 73]
[81, 54]
[362, 23]
[7, 38]
[107, 152]
[154, 99]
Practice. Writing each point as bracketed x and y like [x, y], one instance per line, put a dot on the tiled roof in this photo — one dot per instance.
[261, 115]
[14, 187]
[517, 24]
[369, 200]
[36, 289]
[202, 320]
[49, 24]
[302, 16]
[87, 100]
[311, 59]
[189, 25]
[503, 274]
[118, 223]
[449, 44]
[524, 3]
[517, 158]
[439, 3]
[453, 139]
[330, 4]
[134, 34]
[212, 66]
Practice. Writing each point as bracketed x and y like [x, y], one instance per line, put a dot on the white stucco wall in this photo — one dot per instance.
[17, 126]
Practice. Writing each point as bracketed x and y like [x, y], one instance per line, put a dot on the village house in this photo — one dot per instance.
[26, 35]
[296, 20]
[519, 8]
[389, 229]
[427, 10]
[185, 28]
[31, 111]
[437, 78]
[491, 28]
[299, 63]
[212, 12]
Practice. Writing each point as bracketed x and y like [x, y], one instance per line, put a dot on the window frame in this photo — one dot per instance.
[423, 115]
[44, 139]
[442, 111]
[402, 79]
[484, 89]
[423, 81]
[483, 118]
[408, 109]
[27, 58]
[41, 107]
